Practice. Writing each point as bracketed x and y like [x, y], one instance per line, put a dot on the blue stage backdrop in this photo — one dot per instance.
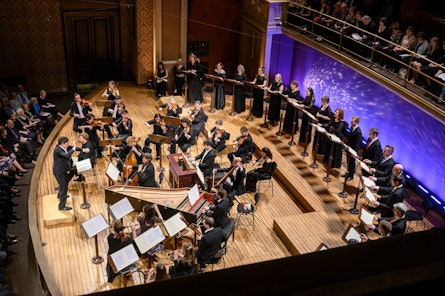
[418, 139]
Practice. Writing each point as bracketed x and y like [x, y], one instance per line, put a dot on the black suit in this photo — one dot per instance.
[354, 140]
[219, 212]
[238, 187]
[209, 245]
[74, 109]
[221, 143]
[398, 225]
[373, 152]
[384, 184]
[147, 176]
[207, 163]
[198, 123]
[62, 169]
[383, 166]
[387, 201]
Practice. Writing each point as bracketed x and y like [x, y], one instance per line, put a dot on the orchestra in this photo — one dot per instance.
[137, 165]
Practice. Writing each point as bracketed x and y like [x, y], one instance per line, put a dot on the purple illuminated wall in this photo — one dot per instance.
[419, 139]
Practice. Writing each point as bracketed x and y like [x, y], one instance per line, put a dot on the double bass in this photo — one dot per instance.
[130, 161]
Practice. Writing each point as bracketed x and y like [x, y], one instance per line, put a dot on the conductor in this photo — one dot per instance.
[63, 169]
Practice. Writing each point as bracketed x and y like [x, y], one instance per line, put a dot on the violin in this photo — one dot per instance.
[241, 140]
[162, 124]
[219, 133]
[174, 107]
[193, 113]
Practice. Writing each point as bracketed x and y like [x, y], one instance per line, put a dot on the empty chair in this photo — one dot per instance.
[413, 215]
[246, 209]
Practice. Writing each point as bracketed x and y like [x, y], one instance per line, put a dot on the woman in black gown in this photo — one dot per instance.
[194, 85]
[306, 127]
[218, 90]
[258, 93]
[324, 116]
[291, 112]
[262, 172]
[161, 80]
[276, 89]
[179, 77]
[336, 127]
[240, 94]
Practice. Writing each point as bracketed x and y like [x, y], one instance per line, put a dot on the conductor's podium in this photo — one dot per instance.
[51, 213]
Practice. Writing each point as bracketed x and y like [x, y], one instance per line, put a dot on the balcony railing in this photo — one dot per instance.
[350, 41]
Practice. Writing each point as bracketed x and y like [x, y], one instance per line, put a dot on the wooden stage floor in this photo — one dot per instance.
[69, 252]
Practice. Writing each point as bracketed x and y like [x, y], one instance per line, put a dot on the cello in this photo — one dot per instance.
[130, 161]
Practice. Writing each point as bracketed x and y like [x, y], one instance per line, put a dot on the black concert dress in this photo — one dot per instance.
[292, 113]
[337, 128]
[321, 138]
[240, 94]
[194, 84]
[275, 103]
[306, 127]
[258, 97]
[218, 92]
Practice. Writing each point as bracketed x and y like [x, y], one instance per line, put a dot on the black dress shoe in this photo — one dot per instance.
[343, 175]
[11, 221]
[19, 174]
[57, 188]
[65, 209]
[350, 178]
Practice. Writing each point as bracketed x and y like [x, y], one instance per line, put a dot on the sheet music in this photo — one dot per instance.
[200, 175]
[193, 195]
[121, 209]
[124, 257]
[364, 166]
[174, 224]
[366, 217]
[352, 234]
[50, 105]
[352, 151]
[369, 195]
[368, 182]
[45, 114]
[321, 129]
[335, 139]
[94, 225]
[112, 172]
[83, 166]
[148, 239]
[311, 116]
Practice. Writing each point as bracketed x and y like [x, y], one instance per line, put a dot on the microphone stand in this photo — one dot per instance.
[354, 209]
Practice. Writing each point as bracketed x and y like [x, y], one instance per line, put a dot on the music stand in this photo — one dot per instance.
[352, 156]
[171, 120]
[233, 82]
[120, 209]
[321, 130]
[322, 247]
[294, 125]
[91, 228]
[213, 78]
[351, 233]
[123, 258]
[160, 140]
[306, 138]
[149, 239]
[110, 142]
[83, 166]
